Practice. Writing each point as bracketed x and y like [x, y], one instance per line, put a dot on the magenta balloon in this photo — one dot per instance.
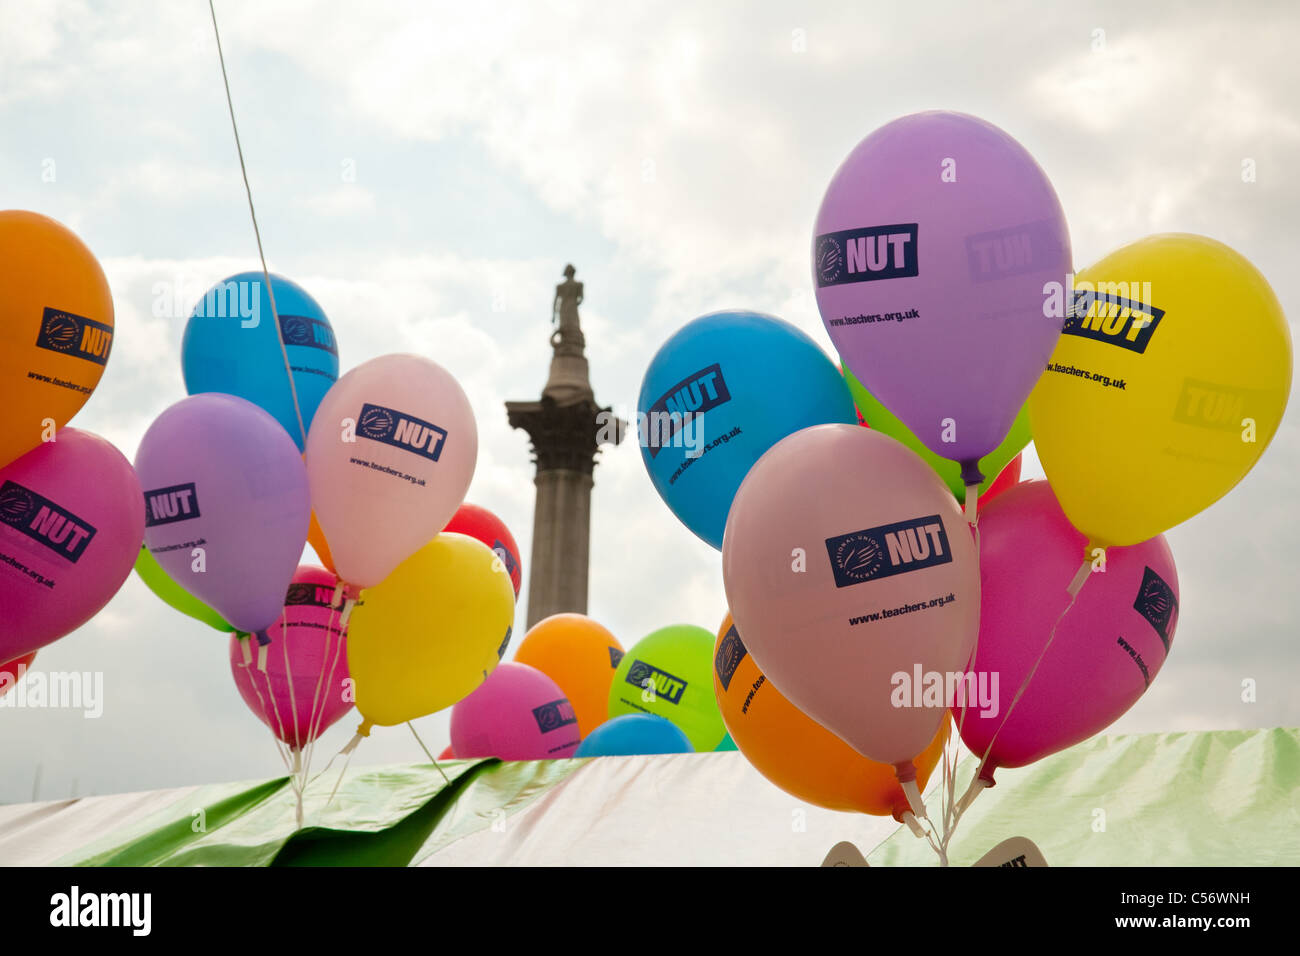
[1108, 648]
[931, 250]
[222, 475]
[847, 562]
[518, 713]
[70, 529]
[301, 698]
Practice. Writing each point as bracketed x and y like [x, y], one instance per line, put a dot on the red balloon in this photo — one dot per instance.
[10, 673]
[447, 754]
[483, 525]
[1006, 478]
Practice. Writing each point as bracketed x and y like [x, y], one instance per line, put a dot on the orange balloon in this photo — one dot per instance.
[580, 656]
[316, 538]
[56, 328]
[795, 752]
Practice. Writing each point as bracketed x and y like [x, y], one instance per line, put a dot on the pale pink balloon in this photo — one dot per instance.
[301, 698]
[1108, 647]
[847, 562]
[71, 523]
[518, 713]
[390, 455]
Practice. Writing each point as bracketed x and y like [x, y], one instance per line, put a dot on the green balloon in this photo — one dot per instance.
[727, 744]
[161, 584]
[669, 673]
[883, 420]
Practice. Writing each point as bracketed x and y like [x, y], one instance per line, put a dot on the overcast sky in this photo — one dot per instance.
[676, 155]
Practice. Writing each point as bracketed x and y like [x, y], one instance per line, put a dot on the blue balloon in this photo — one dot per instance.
[230, 346]
[721, 391]
[726, 744]
[634, 734]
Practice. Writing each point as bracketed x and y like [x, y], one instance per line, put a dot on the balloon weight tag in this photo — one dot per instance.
[845, 853]
[1015, 852]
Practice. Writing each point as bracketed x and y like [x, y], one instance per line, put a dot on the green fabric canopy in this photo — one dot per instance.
[1221, 798]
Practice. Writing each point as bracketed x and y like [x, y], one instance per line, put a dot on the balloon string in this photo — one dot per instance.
[971, 506]
[261, 702]
[275, 315]
[317, 719]
[288, 676]
[1076, 586]
[950, 811]
[349, 749]
[274, 709]
[426, 751]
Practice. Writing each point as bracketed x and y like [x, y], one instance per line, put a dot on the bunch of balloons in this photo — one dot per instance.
[416, 603]
[881, 579]
[71, 520]
[572, 691]
[274, 450]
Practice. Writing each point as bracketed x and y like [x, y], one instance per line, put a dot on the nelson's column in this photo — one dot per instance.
[567, 428]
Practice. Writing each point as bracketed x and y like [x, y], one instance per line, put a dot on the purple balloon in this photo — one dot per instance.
[221, 475]
[931, 251]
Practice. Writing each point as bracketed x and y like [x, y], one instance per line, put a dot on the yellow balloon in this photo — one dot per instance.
[56, 328]
[431, 632]
[1167, 385]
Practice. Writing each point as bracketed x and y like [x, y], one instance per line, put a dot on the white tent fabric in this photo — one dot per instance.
[679, 810]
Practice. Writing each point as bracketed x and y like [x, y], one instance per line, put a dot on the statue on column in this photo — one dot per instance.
[567, 337]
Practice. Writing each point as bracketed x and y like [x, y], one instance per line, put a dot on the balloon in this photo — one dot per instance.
[70, 527]
[1008, 477]
[152, 574]
[881, 419]
[847, 563]
[795, 752]
[447, 754]
[56, 328]
[747, 380]
[933, 244]
[727, 743]
[1108, 648]
[389, 480]
[430, 632]
[1167, 386]
[634, 734]
[14, 671]
[226, 505]
[518, 713]
[483, 525]
[231, 346]
[666, 674]
[580, 656]
[300, 694]
[316, 538]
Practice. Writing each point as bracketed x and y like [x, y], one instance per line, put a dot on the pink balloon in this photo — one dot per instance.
[1108, 648]
[71, 523]
[847, 562]
[518, 713]
[386, 483]
[301, 697]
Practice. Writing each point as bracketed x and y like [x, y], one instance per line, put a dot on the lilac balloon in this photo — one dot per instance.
[931, 251]
[221, 475]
